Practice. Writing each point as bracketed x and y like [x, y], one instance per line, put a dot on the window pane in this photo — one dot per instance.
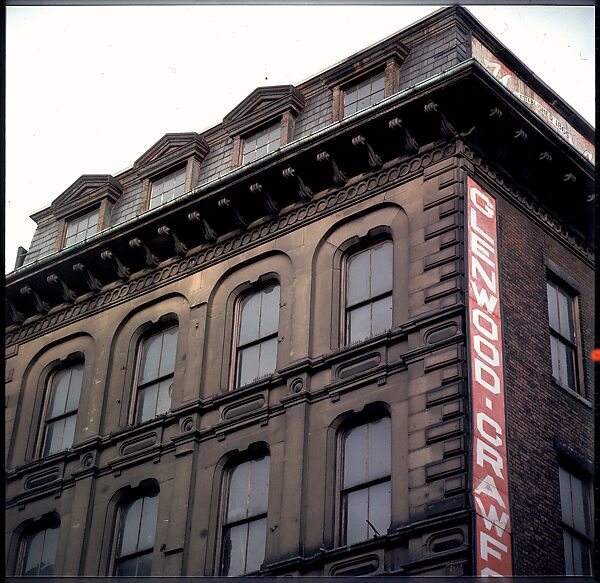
[69, 431]
[380, 500]
[269, 313]
[555, 358]
[363, 103]
[565, 496]
[169, 349]
[563, 358]
[564, 310]
[259, 486]
[378, 83]
[54, 435]
[130, 528]
[33, 553]
[360, 323]
[569, 374]
[268, 357]
[350, 109]
[248, 364]
[358, 277]
[568, 548]
[60, 390]
[238, 492]
[144, 566]
[257, 534]
[357, 507]
[261, 139]
[354, 456]
[262, 151]
[250, 317]
[364, 89]
[381, 269]
[378, 448]
[151, 358]
[126, 568]
[350, 95]
[163, 403]
[381, 315]
[234, 550]
[577, 553]
[74, 388]
[49, 552]
[146, 408]
[377, 97]
[577, 497]
[148, 524]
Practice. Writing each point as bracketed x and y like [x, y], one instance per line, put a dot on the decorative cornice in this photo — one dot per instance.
[143, 282]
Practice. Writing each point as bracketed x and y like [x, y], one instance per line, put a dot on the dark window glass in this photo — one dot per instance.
[364, 94]
[81, 228]
[369, 284]
[245, 525]
[155, 376]
[366, 482]
[563, 343]
[167, 188]
[256, 352]
[261, 143]
[39, 552]
[61, 411]
[577, 524]
[135, 543]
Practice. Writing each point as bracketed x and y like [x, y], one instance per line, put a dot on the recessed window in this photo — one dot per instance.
[369, 285]
[156, 367]
[135, 543]
[167, 188]
[81, 228]
[38, 552]
[61, 410]
[563, 339]
[245, 524]
[366, 481]
[364, 94]
[256, 351]
[261, 143]
[577, 523]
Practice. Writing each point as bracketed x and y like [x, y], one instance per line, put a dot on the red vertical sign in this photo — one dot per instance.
[490, 479]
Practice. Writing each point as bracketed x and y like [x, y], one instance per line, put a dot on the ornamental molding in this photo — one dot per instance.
[303, 214]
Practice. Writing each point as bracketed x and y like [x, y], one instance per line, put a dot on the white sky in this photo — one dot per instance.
[89, 89]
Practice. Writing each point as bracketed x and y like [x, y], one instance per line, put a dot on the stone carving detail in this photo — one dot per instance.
[520, 135]
[87, 460]
[41, 306]
[304, 192]
[67, 294]
[208, 233]
[446, 127]
[93, 283]
[338, 176]
[271, 206]
[569, 178]
[374, 159]
[296, 385]
[410, 144]
[545, 156]
[187, 425]
[149, 257]
[16, 316]
[178, 246]
[495, 112]
[121, 271]
[239, 220]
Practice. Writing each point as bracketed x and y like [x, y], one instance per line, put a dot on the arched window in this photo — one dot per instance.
[258, 326]
[135, 539]
[60, 412]
[155, 370]
[368, 288]
[245, 517]
[365, 480]
[38, 551]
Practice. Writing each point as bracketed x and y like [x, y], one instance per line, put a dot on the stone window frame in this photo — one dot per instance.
[30, 527]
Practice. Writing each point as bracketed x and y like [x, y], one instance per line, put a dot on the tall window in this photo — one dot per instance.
[61, 409]
[261, 143]
[369, 283]
[366, 481]
[167, 188]
[577, 523]
[38, 552]
[245, 524]
[256, 354]
[81, 228]
[363, 94]
[563, 340]
[135, 542]
[156, 362]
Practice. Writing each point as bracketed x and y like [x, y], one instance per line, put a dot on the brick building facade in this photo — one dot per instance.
[256, 350]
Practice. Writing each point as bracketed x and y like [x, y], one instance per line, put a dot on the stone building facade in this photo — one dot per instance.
[256, 350]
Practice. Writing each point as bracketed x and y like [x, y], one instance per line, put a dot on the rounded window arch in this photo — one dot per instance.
[38, 541]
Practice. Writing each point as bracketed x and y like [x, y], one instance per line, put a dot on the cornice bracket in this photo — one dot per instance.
[208, 233]
[16, 316]
[149, 257]
[178, 246]
[304, 192]
[41, 306]
[239, 220]
[569, 178]
[446, 127]
[93, 283]
[410, 144]
[67, 294]
[271, 206]
[338, 176]
[122, 271]
[374, 160]
[545, 157]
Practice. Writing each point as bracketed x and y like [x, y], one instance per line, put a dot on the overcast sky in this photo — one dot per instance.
[89, 89]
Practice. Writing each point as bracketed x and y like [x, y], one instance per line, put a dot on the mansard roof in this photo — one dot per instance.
[169, 150]
[263, 104]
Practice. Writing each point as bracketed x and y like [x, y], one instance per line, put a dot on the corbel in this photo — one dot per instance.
[446, 127]
[67, 294]
[304, 192]
[16, 316]
[122, 271]
[208, 232]
[409, 142]
[41, 306]
[520, 135]
[374, 160]
[239, 220]
[93, 283]
[495, 113]
[324, 158]
[271, 206]
[568, 177]
[149, 257]
[178, 246]
[545, 157]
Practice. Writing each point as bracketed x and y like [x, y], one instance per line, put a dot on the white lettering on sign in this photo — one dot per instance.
[490, 479]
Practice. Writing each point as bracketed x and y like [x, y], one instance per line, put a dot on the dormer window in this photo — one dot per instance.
[261, 143]
[364, 94]
[81, 228]
[167, 188]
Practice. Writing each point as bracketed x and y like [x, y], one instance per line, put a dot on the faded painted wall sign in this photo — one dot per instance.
[490, 479]
[532, 100]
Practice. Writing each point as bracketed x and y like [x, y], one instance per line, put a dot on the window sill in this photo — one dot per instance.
[572, 393]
